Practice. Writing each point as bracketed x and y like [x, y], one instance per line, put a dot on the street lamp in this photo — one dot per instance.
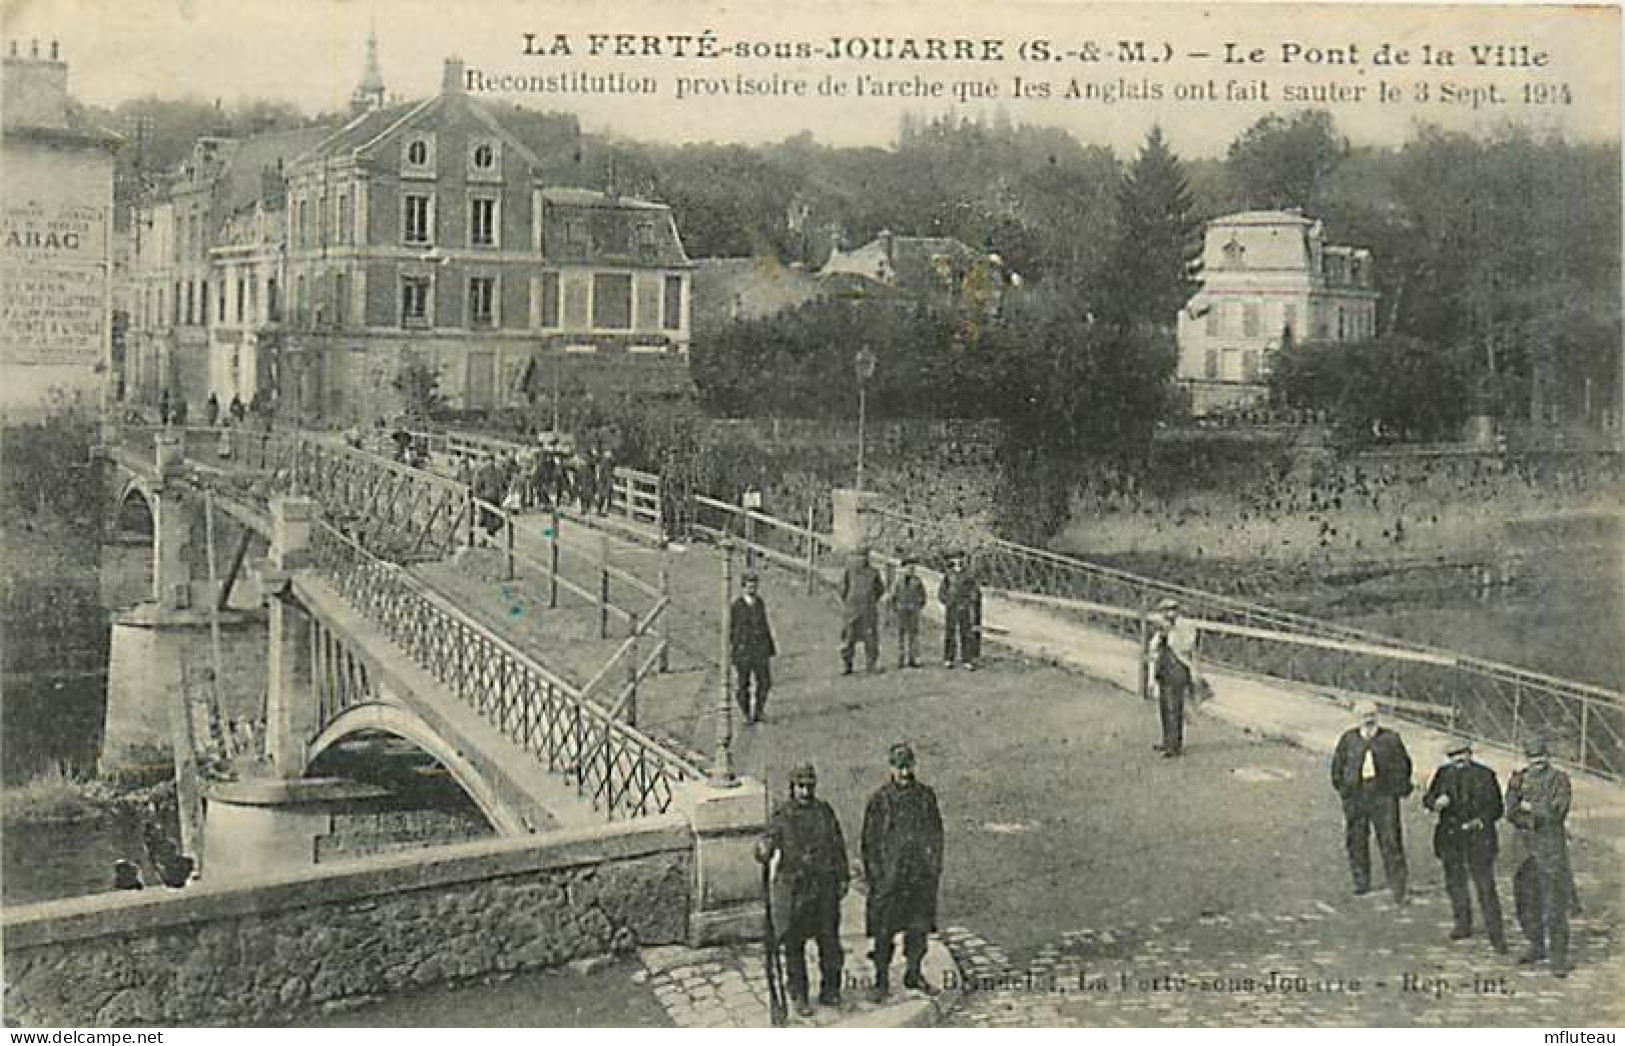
[865, 362]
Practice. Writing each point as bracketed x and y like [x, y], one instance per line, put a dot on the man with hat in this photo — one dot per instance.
[809, 882]
[961, 599]
[751, 648]
[902, 864]
[861, 589]
[908, 599]
[1538, 804]
[1371, 771]
[1467, 798]
[1173, 666]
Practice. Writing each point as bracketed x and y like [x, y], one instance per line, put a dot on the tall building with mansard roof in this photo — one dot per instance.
[1267, 276]
[424, 233]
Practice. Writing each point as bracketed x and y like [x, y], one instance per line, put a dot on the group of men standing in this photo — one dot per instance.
[1371, 771]
[901, 849]
[863, 591]
[537, 477]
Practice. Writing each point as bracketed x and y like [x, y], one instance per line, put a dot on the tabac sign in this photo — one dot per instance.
[53, 283]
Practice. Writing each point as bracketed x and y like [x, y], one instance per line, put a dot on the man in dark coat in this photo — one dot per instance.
[961, 599]
[902, 864]
[1372, 772]
[1538, 804]
[810, 880]
[1467, 798]
[751, 647]
[908, 599]
[861, 589]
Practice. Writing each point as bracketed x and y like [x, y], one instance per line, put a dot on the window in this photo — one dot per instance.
[414, 301]
[304, 223]
[242, 292]
[575, 231]
[611, 301]
[1342, 324]
[417, 152]
[482, 222]
[1212, 321]
[341, 300]
[1249, 319]
[300, 306]
[1289, 319]
[273, 304]
[179, 305]
[220, 310]
[1249, 365]
[1211, 365]
[415, 225]
[646, 234]
[550, 299]
[191, 303]
[482, 293]
[346, 219]
[253, 297]
[485, 156]
[671, 316]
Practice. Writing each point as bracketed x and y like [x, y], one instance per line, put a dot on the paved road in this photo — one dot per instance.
[1062, 823]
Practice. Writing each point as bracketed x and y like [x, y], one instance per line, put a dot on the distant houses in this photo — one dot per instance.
[304, 271]
[1267, 277]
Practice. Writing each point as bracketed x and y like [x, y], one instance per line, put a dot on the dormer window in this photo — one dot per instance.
[646, 234]
[484, 161]
[417, 158]
[1235, 255]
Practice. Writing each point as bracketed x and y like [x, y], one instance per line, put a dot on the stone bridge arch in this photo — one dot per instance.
[401, 722]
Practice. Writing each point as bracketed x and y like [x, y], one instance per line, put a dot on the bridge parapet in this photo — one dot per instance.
[619, 770]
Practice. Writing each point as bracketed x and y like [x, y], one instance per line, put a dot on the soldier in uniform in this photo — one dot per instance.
[961, 599]
[861, 588]
[908, 599]
[1537, 803]
[1467, 798]
[902, 864]
[750, 644]
[811, 879]
[1371, 771]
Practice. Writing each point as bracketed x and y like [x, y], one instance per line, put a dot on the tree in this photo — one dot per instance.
[1279, 162]
[418, 385]
[1395, 386]
[1157, 239]
[1073, 393]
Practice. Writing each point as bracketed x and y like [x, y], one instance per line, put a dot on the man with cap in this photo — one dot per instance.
[1173, 666]
[861, 589]
[961, 599]
[1371, 771]
[1537, 803]
[902, 865]
[908, 599]
[751, 648]
[1467, 798]
[810, 880]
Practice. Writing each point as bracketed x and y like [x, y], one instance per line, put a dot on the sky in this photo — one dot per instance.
[310, 53]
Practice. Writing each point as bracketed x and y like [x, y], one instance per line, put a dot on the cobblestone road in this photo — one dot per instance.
[1356, 962]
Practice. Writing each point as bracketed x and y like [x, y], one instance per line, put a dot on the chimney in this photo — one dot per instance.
[35, 88]
[451, 81]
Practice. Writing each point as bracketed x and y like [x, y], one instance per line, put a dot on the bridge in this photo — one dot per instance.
[567, 669]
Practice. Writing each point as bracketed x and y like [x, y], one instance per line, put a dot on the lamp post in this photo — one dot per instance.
[722, 763]
[865, 362]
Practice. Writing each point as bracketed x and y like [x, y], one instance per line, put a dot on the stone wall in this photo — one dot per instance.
[341, 935]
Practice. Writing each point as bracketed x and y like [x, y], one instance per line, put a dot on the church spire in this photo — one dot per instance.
[369, 93]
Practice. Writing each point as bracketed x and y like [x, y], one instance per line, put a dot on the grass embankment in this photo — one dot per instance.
[56, 795]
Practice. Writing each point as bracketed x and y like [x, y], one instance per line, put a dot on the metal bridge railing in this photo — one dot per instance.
[615, 767]
[1491, 701]
[797, 548]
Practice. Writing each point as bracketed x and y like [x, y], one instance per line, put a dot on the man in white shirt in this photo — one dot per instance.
[1173, 663]
[1371, 771]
